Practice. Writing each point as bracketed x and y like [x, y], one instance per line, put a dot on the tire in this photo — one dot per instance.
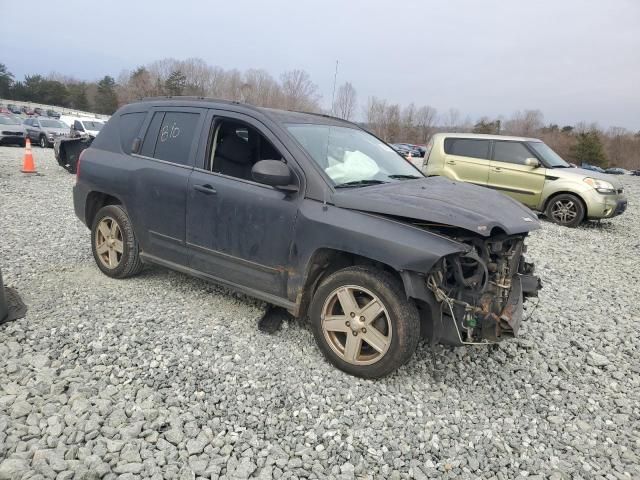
[115, 248]
[44, 143]
[565, 209]
[395, 328]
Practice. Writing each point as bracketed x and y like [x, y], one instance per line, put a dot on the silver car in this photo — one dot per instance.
[12, 132]
[44, 131]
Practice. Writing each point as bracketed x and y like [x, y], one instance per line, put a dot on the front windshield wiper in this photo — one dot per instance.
[404, 177]
[359, 183]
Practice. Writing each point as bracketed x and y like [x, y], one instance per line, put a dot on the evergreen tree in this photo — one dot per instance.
[487, 127]
[106, 98]
[174, 85]
[78, 96]
[589, 149]
[6, 82]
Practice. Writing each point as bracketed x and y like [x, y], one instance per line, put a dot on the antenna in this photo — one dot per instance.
[333, 95]
[326, 152]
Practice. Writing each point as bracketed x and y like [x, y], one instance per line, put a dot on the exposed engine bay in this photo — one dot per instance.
[481, 292]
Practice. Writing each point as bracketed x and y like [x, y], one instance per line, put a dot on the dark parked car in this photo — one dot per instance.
[414, 149]
[593, 168]
[635, 173]
[615, 171]
[44, 131]
[53, 114]
[310, 213]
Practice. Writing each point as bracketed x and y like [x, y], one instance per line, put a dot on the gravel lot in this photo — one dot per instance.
[167, 376]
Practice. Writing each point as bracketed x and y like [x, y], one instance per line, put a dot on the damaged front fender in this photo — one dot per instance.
[476, 297]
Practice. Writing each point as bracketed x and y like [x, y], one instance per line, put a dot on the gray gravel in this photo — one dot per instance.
[165, 376]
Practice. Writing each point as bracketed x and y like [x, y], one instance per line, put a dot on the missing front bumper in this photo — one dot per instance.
[457, 324]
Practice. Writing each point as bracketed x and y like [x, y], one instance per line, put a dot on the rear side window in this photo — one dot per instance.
[511, 152]
[170, 136]
[130, 124]
[467, 147]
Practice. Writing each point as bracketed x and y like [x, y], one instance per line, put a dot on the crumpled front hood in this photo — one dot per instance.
[442, 201]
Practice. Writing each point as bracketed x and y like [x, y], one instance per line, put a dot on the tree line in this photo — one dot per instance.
[295, 90]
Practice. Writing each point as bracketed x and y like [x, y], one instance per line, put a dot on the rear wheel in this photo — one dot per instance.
[363, 323]
[566, 210]
[114, 245]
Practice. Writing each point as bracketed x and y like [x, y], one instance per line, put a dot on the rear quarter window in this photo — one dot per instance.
[467, 147]
[130, 124]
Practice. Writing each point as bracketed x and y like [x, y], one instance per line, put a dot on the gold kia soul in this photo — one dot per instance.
[527, 170]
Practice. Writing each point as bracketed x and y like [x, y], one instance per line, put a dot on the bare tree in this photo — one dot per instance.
[197, 73]
[374, 114]
[408, 123]
[298, 91]
[425, 120]
[345, 103]
[525, 123]
[392, 126]
[451, 120]
[260, 88]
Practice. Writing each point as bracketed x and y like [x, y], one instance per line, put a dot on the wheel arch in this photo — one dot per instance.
[95, 201]
[325, 261]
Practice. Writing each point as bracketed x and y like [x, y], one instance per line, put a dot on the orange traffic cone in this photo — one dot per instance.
[27, 164]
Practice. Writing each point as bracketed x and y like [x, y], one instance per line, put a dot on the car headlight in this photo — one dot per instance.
[601, 186]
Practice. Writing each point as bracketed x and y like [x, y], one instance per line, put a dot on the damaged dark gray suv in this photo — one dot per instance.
[310, 213]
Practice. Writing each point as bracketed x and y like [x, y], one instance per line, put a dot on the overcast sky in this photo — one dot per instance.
[575, 60]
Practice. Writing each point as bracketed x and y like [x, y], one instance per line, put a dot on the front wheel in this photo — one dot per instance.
[114, 244]
[363, 322]
[566, 210]
[44, 143]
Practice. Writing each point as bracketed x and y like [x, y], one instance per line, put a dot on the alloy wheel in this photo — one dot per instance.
[43, 142]
[109, 245]
[564, 211]
[356, 325]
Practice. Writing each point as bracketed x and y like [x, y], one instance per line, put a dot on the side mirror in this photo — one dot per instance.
[532, 162]
[273, 172]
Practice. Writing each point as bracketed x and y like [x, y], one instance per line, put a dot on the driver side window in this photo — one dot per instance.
[235, 147]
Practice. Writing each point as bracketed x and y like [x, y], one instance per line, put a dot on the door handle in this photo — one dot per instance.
[207, 189]
[497, 169]
[451, 162]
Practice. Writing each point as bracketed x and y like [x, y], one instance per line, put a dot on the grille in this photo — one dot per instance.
[15, 134]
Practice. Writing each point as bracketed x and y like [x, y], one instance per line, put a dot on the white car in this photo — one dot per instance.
[83, 126]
